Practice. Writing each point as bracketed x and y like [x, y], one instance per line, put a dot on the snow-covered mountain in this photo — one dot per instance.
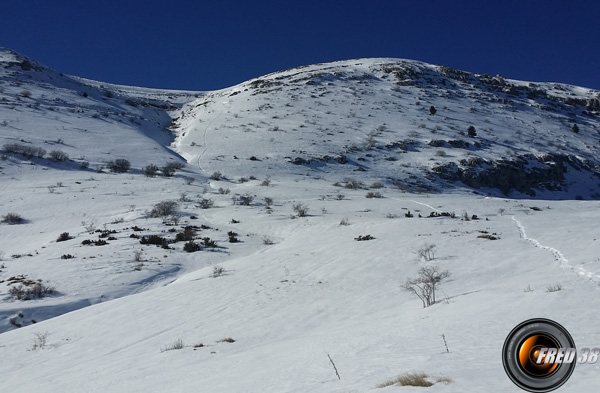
[306, 199]
[404, 123]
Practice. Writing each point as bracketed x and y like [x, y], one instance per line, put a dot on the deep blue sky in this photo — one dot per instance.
[205, 45]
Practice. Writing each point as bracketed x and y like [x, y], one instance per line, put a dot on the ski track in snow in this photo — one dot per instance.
[558, 256]
[418, 203]
[424, 204]
[204, 139]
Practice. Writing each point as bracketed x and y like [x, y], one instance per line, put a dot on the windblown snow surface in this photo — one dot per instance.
[355, 143]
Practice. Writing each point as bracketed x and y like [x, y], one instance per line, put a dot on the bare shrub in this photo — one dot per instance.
[244, 200]
[164, 209]
[177, 344]
[39, 341]
[183, 197]
[223, 191]
[344, 221]
[120, 165]
[353, 184]
[554, 288]
[300, 209]
[425, 284]
[208, 242]
[206, 203]
[233, 237]
[427, 252]
[191, 246]
[13, 219]
[377, 185]
[89, 226]
[35, 291]
[169, 169]
[373, 194]
[58, 155]
[24, 150]
[216, 176]
[266, 182]
[150, 170]
[268, 241]
[137, 255]
[64, 237]
[218, 271]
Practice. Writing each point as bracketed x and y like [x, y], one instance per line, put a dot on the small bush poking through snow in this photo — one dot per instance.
[36, 291]
[191, 246]
[120, 165]
[244, 200]
[206, 203]
[63, 237]
[233, 237]
[12, 219]
[362, 238]
[39, 341]
[188, 233]
[554, 288]
[216, 176]
[154, 239]
[266, 182]
[177, 344]
[164, 209]
[373, 194]
[413, 379]
[170, 169]
[208, 242]
[300, 209]
[427, 252]
[24, 150]
[353, 184]
[150, 170]
[425, 284]
[218, 271]
[58, 155]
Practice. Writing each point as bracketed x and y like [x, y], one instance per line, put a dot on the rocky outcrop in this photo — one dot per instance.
[524, 173]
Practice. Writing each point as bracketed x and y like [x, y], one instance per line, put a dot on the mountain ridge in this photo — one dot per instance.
[524, 145]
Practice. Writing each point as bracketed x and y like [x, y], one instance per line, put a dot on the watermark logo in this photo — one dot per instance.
[539, 355]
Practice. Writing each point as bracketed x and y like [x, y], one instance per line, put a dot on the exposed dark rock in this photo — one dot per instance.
[524, 173]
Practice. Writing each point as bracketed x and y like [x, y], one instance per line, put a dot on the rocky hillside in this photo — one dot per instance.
[418, 126]
[407, 124]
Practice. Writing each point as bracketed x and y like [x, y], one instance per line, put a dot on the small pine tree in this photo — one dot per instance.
[575, 128]
[471, 132]
[432, 110]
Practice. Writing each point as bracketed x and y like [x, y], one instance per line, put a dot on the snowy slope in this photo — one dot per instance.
[294, 289]
[374, 116]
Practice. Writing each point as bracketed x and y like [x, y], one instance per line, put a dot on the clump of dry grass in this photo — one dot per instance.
[414, 379]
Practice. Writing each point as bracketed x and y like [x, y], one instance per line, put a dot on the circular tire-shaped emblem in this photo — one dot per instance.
[539, 355]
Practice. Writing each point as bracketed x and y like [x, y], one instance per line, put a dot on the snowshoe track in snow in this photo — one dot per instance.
[558, 256]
